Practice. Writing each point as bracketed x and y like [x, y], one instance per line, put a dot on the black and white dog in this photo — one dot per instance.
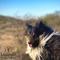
[37, 38]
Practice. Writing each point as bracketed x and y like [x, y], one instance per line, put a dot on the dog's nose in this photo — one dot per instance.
[29, 43]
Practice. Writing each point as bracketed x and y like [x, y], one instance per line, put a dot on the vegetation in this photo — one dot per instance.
[12, 31]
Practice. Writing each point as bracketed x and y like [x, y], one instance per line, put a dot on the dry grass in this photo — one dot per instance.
[12, 42]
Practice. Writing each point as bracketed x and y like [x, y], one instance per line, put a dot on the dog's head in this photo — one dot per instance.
[31, 36]
[33, 33]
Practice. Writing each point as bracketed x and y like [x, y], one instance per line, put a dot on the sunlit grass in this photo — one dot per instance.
[14, 29]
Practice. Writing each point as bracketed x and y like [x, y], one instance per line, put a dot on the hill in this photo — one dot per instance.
[12, 30]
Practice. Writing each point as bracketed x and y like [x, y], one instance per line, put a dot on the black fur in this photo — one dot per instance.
[36, 31]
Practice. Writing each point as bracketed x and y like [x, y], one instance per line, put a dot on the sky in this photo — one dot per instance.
[28, 7]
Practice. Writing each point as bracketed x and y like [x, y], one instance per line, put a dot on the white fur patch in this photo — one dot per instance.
[36, 52]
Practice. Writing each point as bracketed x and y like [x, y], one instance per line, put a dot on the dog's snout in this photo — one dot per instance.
[29, 42]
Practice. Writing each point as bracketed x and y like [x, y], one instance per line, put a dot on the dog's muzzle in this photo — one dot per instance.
[30, 44]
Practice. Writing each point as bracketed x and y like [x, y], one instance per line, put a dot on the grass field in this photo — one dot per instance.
[12, 30]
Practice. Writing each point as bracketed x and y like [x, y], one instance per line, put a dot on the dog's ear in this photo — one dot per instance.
[29, 27]
[39, 23]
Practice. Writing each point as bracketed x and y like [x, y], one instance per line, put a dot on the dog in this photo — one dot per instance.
[36, 39]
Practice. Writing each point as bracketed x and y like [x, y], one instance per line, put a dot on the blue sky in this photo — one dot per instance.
[29, 7]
